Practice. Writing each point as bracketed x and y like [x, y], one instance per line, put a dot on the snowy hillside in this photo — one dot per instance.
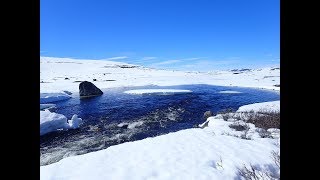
[57, 74]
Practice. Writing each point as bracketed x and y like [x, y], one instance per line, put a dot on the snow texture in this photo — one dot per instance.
[109, 74]
[214, 152]
[271, 106]
[229, 92]
[158, 91]
[74, 122]
[46, 106]
[53, 97]
[50, 121]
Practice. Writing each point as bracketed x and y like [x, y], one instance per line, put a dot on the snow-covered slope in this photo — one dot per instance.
[210, 153]
[57, 74]
[271, 106]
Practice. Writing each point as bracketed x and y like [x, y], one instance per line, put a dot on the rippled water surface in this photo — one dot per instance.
[116, 117]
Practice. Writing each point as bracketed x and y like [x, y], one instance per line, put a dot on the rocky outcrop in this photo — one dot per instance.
[87, 89]
[207, 114]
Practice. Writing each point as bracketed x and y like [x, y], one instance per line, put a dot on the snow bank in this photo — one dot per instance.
[229, 92]
[158, 91]
[53, 97]
[187, 154]
[50, 121]
[46, 106]
[74, 122]
[272, 106]
[215, 152]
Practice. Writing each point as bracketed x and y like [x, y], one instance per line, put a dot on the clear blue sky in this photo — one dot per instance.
[178, 34]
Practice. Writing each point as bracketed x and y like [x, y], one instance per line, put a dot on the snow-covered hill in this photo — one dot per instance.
[57, 74]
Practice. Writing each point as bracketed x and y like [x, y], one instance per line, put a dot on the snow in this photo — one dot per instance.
[46, 106]
[123, 124]
[158, 91]
[74, 122]
[229, 92]
[108, 74]
[272, 106]
[130, 125]
[135, 124]
[53, 97]
[211, 152]
[214, 152]
[50, 121]
[274, 132]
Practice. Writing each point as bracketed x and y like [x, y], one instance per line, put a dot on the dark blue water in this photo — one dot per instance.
[153, 114]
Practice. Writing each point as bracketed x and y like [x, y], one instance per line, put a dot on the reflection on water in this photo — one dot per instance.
[116, 117]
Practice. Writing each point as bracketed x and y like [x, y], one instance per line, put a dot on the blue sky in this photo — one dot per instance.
[192, 35]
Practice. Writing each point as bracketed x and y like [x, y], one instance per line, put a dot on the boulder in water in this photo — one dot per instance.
[87, 89]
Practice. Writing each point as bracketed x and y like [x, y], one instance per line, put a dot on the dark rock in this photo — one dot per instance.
[67, 92]
[87, 89]
[94, 79]
[269, 76]
[207, 114]
[238, 127]
[127, 66]
[66, 78]
[242, 70]
[277, 85]
[124, 126]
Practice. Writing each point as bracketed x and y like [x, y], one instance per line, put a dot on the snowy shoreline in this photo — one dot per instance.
[196, 153]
